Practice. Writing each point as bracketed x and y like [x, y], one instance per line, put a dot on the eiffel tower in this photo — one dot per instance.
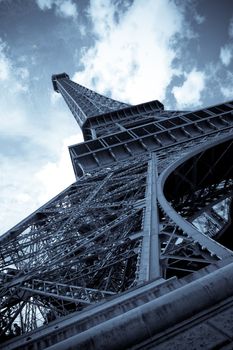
[138, 252]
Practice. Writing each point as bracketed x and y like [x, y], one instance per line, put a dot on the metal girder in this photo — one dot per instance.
[150, 248]
[146, 205]
[203, 240]
[83, 102]
[76, 246]
[177, 131]
[67, 292]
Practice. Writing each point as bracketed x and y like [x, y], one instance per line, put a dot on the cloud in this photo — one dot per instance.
[27, 181]
[199, 19]
[226, 54]
[63, 8]
[45, 4]
[230, 31]
[226, 86]
[134, 52]
[17, 192]
[31, 146]
[8, 72]
[33, 186]
[67, 9]
[189, 94]
[56, 176]
[227, 91]
[54, 97]
[13, 84]
[5, 66]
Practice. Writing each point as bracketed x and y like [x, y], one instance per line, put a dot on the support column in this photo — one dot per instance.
[150, 251]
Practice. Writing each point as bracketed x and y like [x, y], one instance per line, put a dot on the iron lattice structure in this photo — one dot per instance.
[152, 200]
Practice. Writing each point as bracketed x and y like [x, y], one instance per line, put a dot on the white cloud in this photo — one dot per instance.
[227, 91]
[226, 54]
[13, 83]
[63, 8]
[32, 187]
[82, 30]
[17, 76]
[67, 9]
[134, 52]
[5, 65]
[31, 149]
[4, 69]
[199, 19]
[189, 94]
[231, 28]
[16, 191]
[226, 86]
[25, 186]
[56, 176]
[54, 97]
[45, 4]
[23, 73]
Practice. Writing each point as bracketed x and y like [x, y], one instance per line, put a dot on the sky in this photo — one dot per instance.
[177, 51]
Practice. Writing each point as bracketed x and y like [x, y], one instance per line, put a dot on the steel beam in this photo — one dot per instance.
[150, 250]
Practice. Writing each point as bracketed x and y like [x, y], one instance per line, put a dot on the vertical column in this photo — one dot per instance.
[150, 251]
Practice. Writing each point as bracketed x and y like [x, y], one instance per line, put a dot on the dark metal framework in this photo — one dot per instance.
[153, 199]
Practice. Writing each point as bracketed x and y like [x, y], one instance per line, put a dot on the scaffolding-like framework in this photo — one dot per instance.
[152, 201]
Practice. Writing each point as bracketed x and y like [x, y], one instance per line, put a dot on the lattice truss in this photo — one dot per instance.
[199, 191]
[84, 102]
[163, 213]
[95, 239]
[78, 249]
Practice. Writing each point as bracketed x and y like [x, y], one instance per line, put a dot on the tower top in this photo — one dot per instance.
[56, 77]
[98, 115]
[83, 102]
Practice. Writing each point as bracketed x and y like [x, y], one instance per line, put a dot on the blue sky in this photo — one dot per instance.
[177, 51]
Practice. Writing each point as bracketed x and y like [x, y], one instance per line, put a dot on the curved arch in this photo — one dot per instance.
[189, 229]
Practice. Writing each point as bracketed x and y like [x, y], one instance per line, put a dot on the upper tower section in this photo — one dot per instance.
[83, 102]
[98, 115]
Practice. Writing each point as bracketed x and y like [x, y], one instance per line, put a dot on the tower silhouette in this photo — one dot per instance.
[139, 249]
